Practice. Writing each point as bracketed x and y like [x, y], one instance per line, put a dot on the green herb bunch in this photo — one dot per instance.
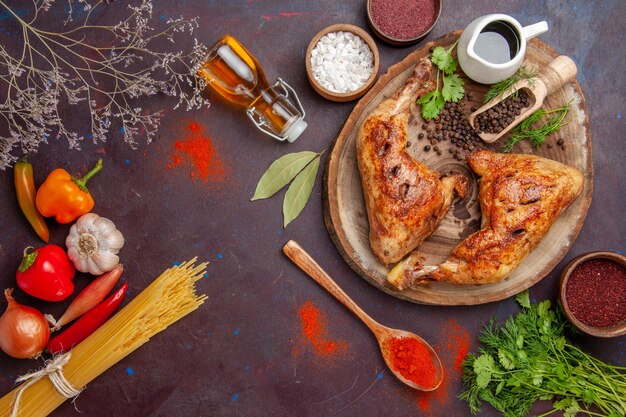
[529, 359]
[553, 121]
[452, 85]
[500, 89]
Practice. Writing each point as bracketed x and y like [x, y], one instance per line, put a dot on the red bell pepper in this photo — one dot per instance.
[88, 323]
[46, 273]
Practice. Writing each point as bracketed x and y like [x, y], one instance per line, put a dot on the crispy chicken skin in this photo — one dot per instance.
[520, 197]
[405, 200]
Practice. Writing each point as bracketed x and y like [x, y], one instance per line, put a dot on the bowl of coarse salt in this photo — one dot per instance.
[342, 62]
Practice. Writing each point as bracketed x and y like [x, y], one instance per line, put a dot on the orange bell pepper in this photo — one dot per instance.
[64, 196]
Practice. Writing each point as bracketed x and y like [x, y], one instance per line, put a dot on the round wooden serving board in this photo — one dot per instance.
[344, 206]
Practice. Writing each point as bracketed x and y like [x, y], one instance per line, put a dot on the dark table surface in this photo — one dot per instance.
[242, 353]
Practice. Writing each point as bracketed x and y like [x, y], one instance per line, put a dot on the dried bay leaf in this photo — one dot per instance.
[281, 172]
[299, 191]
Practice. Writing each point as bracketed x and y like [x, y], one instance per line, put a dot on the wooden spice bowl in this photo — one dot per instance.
[611, 331]
[350, 95]
[401, 42]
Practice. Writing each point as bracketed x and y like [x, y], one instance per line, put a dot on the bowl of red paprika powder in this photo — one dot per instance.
[593, 293]
[403, 22]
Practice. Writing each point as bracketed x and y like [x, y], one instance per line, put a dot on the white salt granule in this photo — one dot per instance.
[342, 62]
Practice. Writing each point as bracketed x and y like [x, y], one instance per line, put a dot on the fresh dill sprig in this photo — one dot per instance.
[553, 123]
[501, 88]
[529, 358]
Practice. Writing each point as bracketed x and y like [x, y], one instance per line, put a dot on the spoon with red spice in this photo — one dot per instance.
[411, 359]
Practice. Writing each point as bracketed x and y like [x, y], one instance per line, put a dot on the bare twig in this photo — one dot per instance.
[98, 68]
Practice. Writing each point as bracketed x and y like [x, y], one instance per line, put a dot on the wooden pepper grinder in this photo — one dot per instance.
[552, 77]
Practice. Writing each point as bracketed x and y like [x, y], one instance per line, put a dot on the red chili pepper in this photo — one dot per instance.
[90, 296]
[46, 273]
[88, 323]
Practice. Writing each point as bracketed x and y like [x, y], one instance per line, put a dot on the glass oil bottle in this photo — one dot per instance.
[237, 76]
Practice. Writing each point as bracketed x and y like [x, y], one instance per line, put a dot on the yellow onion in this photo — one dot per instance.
[24, 331]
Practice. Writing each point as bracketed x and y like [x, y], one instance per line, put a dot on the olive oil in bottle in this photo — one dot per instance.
[238, 77]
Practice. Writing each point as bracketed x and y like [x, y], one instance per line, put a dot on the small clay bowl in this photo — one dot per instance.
[401, 42]
[612, 331]
[350, 95]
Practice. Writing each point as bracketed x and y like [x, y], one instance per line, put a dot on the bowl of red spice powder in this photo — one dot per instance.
[403, 22]
[593, 293]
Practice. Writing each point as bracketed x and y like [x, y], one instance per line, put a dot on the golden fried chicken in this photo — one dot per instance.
[520, 197]
[405, 200]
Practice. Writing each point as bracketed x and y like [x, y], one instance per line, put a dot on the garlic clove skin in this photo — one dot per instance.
[93, 244]
[81, 263]
[102, 260]
[108, 236]
[84, 264]
[85, 223]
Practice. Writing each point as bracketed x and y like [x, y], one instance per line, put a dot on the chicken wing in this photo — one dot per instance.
[520, 197]
[405, 200]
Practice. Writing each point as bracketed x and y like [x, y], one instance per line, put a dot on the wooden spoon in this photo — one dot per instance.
[550, 78]
[383, 334]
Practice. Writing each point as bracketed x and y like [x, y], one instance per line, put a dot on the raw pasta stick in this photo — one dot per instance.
[167, 299]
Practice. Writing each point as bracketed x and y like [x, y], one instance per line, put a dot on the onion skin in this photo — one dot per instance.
[24, 331]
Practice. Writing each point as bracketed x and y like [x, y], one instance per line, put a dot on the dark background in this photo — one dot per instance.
[234, 355]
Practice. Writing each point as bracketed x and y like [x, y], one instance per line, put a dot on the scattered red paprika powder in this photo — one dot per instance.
[452, 350]
[412, 360]
[459, 343]
[197, 147]
[314, 332]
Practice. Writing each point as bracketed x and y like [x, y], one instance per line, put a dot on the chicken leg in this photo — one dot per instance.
[520, 196]
[405, 199]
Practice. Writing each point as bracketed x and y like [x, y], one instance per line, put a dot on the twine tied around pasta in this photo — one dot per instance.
[53, 369]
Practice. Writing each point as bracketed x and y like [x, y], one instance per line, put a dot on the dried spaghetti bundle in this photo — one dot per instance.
[170, 297]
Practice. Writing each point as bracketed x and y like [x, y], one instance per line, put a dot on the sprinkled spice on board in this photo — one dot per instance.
[196, 147]
[596, 292]
[412, 360]
[314, 331]
[403, 19]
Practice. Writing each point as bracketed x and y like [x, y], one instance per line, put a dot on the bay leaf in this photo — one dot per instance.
[299, 191]
[281, 172]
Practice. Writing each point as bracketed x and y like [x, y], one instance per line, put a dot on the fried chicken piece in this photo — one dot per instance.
[520, 196]
[405, 199]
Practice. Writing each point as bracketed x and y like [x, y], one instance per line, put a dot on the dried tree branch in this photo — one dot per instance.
[100, 69]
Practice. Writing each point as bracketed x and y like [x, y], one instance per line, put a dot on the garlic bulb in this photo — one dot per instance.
[93, 244]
